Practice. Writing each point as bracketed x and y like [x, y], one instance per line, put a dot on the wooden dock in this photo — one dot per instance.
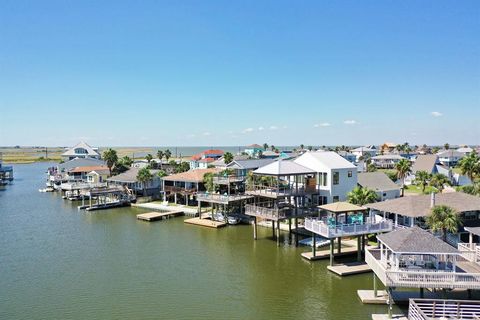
[325, 253]
[205, 222]
[351, 268]
[157, 215]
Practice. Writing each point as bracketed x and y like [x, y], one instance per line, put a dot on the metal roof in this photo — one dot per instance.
[249, 164]
[377, 181]
[283, 168]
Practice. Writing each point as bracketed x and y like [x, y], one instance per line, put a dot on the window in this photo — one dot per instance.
[322, 179]
[336, 199]
[350, 174]
[336, 178]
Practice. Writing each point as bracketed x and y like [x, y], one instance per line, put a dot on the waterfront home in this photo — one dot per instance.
[430, 164]
[465, 150]
[80, 174]
[185, 184]
[98, 175]
[60, 173]
[450, 158]
[129, 179]
[386, 161]
[335, 176]
[220, 163]
[139, 163]
[243, 166]
[254, 150]
[348, 156]
[387, 147]
[471, 249]
[81, 150]
[412, 210]
[415, 258]
[364, 152]
[379, 182]
[270, 155]
[202, 159]
[280, 190]
[343, 219]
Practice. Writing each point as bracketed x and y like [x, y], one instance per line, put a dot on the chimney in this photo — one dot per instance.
[432, 200]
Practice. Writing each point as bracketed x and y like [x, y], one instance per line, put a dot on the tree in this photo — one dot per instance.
[265, 146]
[162, 173]
[272, 147]
[371, 167]
[435, 150]
[302, 146]
[167, 154]
[470, 165]
[208, 181]
[144, 175]
[403, 167]
[310, 148]
[122, 165]
[473, 189]
[422, 178]
[444, 219]
[181, 167]
[446, 146]
[149, 158]
[127, 161]
[361, 196]
[111, 158]
[227, 157]
[439, 181]
[160, 155]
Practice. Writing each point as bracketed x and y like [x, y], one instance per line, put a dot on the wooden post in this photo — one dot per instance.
[296, 222]
[273, 229]
[255, 228]
[90, 200]
[290, 225]
[278, 232]
[331, 251]
[200, 209]
[375, 291]
[422, 293]
[314, 247]
[390, 303]
[364, 238]
[339, 248]
[359, 249]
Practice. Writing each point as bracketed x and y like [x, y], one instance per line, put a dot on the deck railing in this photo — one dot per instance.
[227, 179]
[180, 190]
[269, 191]
[470, 251]
[81, 185]
[266, 212]
[318, 226]
[203, 196]
[426, 309]
[422, 278]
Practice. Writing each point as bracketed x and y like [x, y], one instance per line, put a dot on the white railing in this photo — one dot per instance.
[470, 251]
[265, 212]
[81, 185]
[220, 197]
[423, 278]
[340, 230]
[227, 179]
[425, 309]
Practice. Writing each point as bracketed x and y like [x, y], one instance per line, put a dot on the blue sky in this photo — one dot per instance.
[238, 72]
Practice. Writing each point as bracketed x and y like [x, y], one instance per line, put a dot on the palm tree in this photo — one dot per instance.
[302, 146]
[160, 155]
[272, 147]
[444, 219]
[162, 173]
[361, 196]
[310, 148]
[111, 158]
[167, 154]
[403, 167]
[149, 158]
[144, 175]
[208, 181]
[126, 161]
[227, 157]
[470, 165]
[422, 178]
[439, 181]
[371, 167]
[446, 146]
[265, 146]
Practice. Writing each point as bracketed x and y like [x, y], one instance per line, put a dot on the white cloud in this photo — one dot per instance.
[436, 114]
[261, 128]
[248, 130]
[273, 127]
[323, 124]
[350, 122]
[207, 134]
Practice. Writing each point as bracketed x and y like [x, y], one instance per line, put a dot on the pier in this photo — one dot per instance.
[157, 215]
[206, 222]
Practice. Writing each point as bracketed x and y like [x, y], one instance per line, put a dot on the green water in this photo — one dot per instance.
[60, 263]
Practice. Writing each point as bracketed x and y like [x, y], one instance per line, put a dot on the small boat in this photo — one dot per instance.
[233, 220]
[47, 189]
[319, 242]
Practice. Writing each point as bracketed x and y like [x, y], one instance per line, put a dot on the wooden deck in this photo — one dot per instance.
[325, 253]
[156, 215]
[205, 222]
[347, 269]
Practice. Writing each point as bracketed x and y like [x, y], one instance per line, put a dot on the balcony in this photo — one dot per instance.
[278, 192]
[421, 277]
[221, 198]
[228, 179]
[470, 251]
[174, 189]
[426, 309]
[270, 213]
[321, 227]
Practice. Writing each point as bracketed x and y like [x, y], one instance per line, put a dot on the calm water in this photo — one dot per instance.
[59, 263]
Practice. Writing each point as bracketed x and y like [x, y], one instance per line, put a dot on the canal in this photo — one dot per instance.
[60, 263]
